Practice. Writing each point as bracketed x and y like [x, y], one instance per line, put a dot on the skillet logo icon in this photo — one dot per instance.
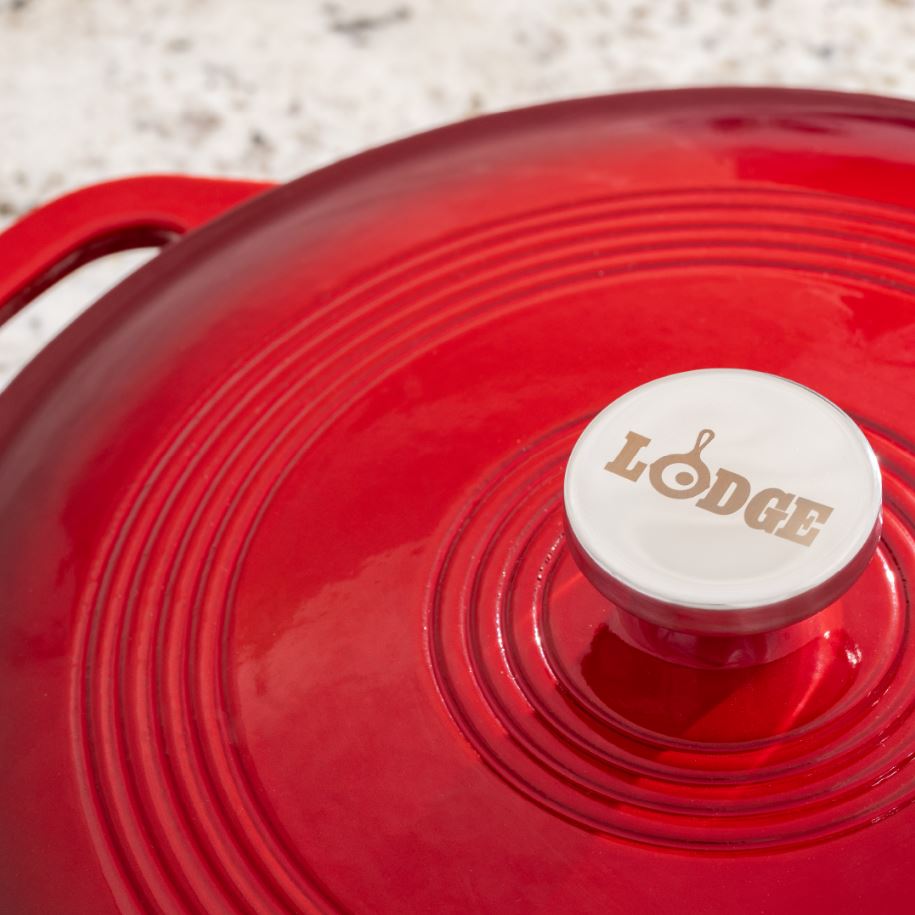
[686, 476]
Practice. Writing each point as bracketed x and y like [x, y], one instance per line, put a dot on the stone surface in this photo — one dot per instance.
[93, 89]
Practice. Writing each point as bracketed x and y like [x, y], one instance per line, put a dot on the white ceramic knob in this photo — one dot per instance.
[723, 501]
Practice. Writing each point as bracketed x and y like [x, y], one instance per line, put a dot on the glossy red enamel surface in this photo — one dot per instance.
[289, 619]
[104, 218]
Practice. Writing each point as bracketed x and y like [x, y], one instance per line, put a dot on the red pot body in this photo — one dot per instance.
[289, 620]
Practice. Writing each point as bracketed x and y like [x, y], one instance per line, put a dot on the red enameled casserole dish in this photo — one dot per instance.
[305, 606]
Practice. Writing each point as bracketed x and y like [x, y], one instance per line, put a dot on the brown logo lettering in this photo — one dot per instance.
[686, 476]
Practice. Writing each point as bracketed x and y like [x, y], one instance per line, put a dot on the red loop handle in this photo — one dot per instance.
[72, 230]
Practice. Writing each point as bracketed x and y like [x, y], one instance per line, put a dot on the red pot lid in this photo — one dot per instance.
[291, 620]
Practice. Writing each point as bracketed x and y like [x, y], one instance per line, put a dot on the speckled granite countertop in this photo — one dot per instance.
[93, 89]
